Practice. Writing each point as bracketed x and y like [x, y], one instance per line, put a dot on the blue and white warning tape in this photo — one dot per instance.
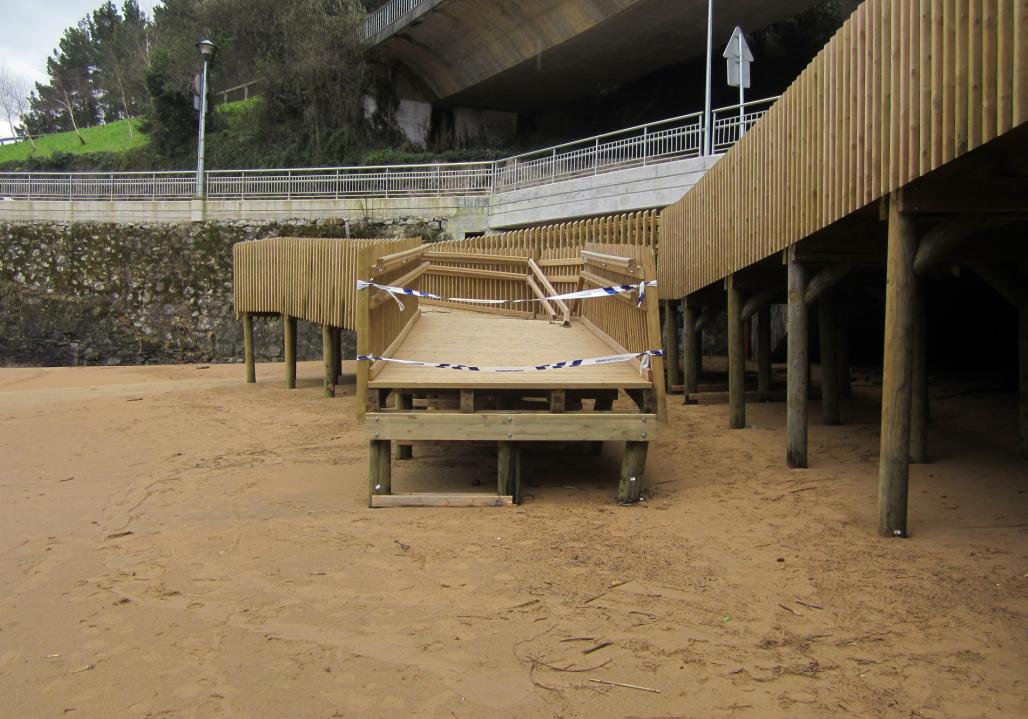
[395, 293]
[566, 364]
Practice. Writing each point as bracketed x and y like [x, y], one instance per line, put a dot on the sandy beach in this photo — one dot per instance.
[176, 543]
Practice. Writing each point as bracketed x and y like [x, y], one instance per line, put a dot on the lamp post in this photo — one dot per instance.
[706, 105]
[207, 49]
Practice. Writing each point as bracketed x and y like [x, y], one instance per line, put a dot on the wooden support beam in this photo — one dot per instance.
[919, 381]
[248, 358]
[736, 357]
[671, 346]
[557, 400]
[824, 281]
[403, 402]
[798, 375]
[544, 283]
[513, 426]
[467, 401]
[758, 301]
[289, 340]
[363, 330]
[431, 499]
[764, 349]
[900, 293]
[827, 313]
[472, 258]
[475, 272]
[942, 239]
[633, 467]
[693, 347]
[508, 470]
[380, 477]
[328, 360]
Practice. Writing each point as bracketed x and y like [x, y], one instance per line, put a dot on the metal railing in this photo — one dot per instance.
[676, 138]
[383, 17]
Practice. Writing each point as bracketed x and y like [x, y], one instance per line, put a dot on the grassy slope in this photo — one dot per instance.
[113, 137]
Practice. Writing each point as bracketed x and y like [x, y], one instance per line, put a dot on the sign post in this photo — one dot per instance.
[739, 57]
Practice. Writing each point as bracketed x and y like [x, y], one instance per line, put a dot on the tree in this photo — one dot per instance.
[14, 99]
[121, 45]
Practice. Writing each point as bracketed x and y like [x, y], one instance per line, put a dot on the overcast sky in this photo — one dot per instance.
[31, 30]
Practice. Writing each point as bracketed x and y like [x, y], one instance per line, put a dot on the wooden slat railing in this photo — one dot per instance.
[904, 87]
[308, 278]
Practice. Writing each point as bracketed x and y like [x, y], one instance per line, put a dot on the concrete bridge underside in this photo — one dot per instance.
[520, 56]
[638, 188]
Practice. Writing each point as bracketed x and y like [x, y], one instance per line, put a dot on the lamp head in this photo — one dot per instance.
[207, 48]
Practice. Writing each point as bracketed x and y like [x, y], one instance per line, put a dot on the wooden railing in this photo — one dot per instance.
[903, 88]
[308, 278]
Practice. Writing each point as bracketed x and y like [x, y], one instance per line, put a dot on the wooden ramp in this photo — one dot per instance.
[404, 403]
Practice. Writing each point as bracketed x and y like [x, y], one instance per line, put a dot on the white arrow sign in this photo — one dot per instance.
[739, 58]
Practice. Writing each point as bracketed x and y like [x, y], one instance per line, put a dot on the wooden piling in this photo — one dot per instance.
[508, 470]
[693, 347]
[671, 345]
[842, 354]
[328, 359]
[1023, 390]
[919, 409]
[897, 367]
[736, 358]
[380, 474]
[337, 352]
[248, 359]
[403, 401]
[633, 466]
[764, 349]
[826, 313]
[798, 366]
[289, 339]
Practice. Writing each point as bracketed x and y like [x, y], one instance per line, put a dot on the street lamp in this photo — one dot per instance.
[207, 49]
[706, 104]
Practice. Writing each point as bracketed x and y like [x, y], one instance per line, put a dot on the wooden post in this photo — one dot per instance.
[403, 401]
[764, 349]
[251, 367]
[380, 475]
[508, 470]
[328, 359]
[798, 367]
[651, 307]
[467, 401]
[337, 352]
[900, 292]
[363, 328]
[1023, 391]
[671, 346]
[602, 404]
[919, 382]
[842, 354]
[693, 346]
[826, 313]
[736, 358]
[289, 338]
[633, 466]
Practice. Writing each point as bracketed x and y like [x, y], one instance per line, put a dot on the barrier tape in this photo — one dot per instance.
[566, 364]
[394, 292]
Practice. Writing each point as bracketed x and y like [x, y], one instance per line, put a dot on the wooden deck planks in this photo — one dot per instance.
[471, 338]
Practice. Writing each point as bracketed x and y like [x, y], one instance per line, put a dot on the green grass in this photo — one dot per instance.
[113, 137]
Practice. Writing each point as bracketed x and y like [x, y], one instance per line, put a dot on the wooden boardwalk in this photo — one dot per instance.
[576, 405]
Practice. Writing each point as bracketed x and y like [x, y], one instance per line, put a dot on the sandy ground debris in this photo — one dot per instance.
[176, 543]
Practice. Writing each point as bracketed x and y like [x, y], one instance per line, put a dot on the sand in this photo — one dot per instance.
[176, 543]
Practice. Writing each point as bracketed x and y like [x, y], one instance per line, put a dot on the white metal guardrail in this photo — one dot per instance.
[676, 138]
[383, 17]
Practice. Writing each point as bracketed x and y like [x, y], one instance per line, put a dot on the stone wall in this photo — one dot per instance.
[97, 293]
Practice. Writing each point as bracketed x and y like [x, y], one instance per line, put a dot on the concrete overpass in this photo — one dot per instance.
[520, 56]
